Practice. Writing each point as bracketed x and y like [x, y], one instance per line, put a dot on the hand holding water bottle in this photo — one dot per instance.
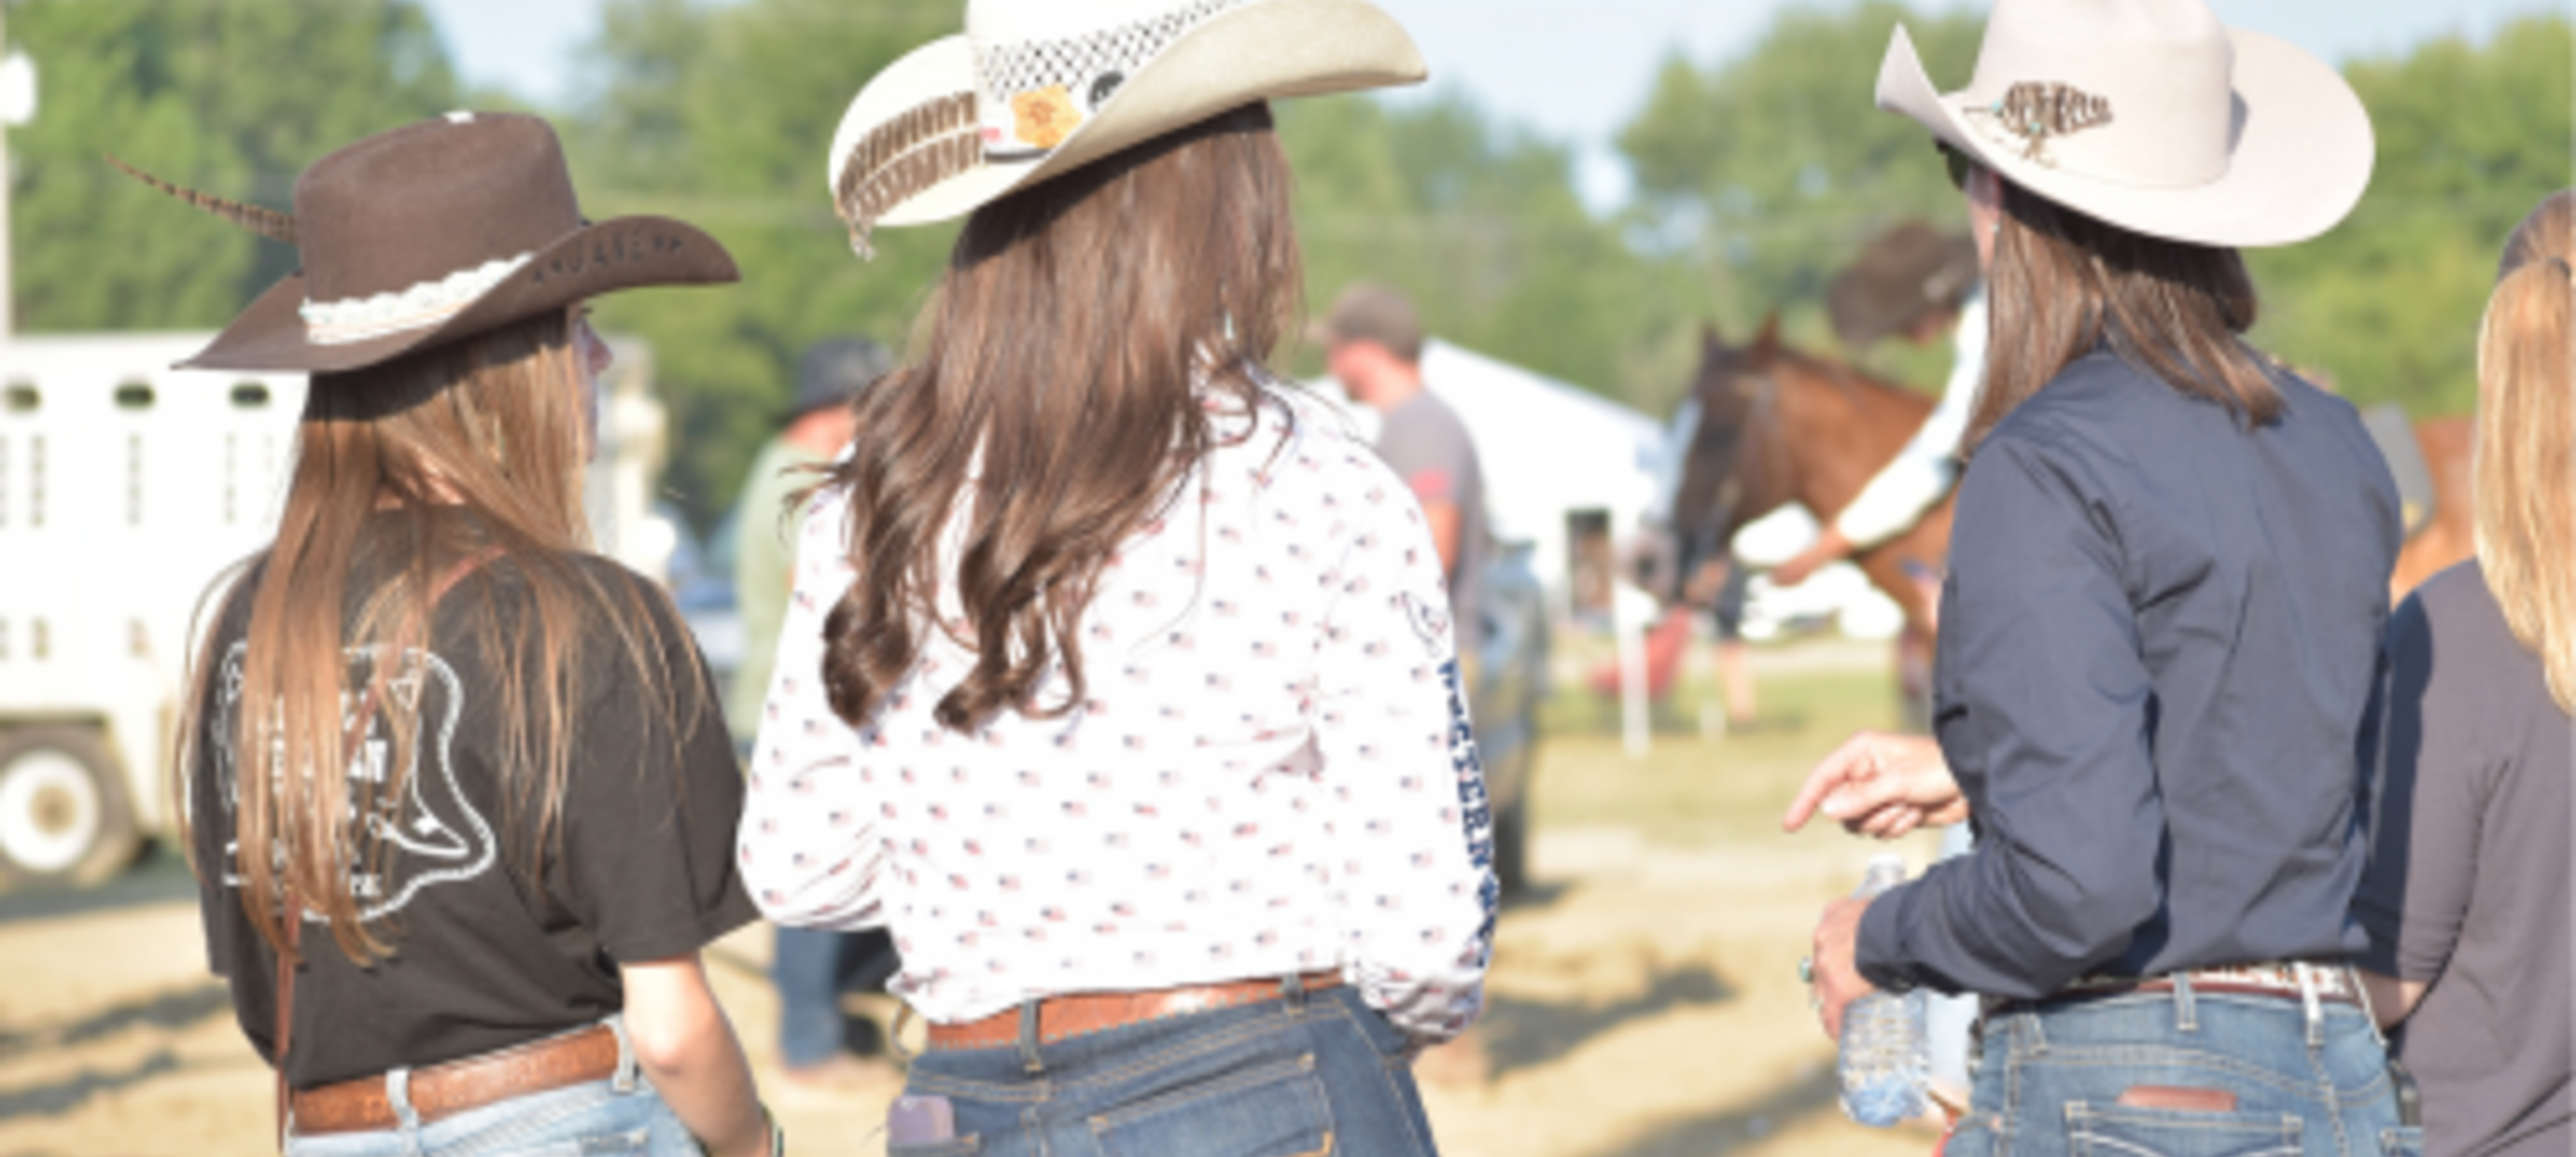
[1884, 1058]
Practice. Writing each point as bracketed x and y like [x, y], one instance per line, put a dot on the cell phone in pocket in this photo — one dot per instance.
[2410, 1100]
[920, 1120]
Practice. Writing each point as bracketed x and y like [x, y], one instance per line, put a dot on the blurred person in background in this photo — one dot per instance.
[2465, 897]
[1139, 721]
[2168, 578]
[819, 1044]
[458, 788]
[1916, 284]
[1373, 345]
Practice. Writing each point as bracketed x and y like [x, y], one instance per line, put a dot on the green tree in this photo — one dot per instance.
[1769, 170]
[1480, 223]
[231, 98]
[2471, 137]
[720, 115]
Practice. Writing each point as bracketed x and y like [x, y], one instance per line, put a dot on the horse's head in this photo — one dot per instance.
[1733, 467]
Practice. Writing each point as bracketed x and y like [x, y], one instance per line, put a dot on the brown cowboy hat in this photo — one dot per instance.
[437, 231]
[1906, 272]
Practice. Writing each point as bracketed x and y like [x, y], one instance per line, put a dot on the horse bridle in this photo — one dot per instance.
[1699, 543]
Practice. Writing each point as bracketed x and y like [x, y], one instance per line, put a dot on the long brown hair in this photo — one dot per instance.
[2063, 283]
[2526, 448]
[1058, 399]
[476, 450]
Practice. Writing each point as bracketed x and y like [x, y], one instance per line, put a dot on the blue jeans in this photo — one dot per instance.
[812, 967]
[618, 1117]
[1306, 1074]
[2051, 1078]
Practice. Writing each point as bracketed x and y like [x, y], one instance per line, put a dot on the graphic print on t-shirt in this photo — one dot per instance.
[431, 833]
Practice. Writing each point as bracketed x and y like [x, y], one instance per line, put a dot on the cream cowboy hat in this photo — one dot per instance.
[1036, 88]
[2153, 116]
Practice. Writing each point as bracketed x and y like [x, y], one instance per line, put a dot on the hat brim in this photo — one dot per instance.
[1262, 50]
[624, 253]
[2301, 159]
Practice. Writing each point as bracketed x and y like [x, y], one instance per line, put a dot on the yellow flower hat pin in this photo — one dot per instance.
[1045, 117]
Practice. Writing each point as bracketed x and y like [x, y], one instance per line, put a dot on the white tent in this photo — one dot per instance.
[1549, 450]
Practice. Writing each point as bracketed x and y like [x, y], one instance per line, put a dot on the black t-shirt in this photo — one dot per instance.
[485, 957]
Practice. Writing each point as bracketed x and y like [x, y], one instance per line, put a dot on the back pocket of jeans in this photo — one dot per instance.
[2097, 1130]
[1270, 1110]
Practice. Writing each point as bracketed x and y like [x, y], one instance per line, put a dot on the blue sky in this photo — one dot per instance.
[1530, 61]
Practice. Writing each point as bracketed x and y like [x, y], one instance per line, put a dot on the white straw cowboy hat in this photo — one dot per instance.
[2153, 116]
[1037, 88]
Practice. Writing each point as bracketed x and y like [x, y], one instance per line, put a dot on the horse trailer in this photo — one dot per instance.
[127, 491]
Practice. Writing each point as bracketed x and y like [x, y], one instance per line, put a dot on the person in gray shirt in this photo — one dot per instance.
[1373, 344]
[2472, 750]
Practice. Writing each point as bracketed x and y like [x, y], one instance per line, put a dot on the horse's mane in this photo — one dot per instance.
[1839, 374]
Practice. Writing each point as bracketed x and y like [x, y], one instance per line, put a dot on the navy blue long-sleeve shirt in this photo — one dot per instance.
[2158, 637]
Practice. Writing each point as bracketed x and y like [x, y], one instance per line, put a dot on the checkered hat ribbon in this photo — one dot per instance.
[1035, 92]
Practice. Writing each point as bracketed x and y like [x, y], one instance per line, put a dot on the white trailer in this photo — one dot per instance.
[126, 489]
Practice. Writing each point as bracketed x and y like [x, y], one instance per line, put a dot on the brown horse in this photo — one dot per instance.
[1777, 425]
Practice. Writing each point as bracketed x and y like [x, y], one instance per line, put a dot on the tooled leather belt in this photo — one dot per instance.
[1061, 1017]
[2333, 983]
[362, 1105]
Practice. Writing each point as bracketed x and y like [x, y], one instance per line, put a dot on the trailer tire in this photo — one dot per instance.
[64, 817]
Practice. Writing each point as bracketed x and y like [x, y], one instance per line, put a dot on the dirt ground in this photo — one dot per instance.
[1643, 1002]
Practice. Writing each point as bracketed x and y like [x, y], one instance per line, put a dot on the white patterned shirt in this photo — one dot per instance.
[1272, 770]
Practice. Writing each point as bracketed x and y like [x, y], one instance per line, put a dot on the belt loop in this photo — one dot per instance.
[398, 1096]
[1292, 988]
[2369, 1013]
[1029, 1059]
[2311, 1003]
[894, 1033]
[624, 1082]
[2186, 1005]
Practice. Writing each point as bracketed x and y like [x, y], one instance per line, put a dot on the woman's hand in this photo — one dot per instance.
[1880, 785]
[1837, 980]
[1830, 547]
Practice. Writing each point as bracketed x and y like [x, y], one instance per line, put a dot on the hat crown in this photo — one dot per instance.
[2152, 76]
[426, 202]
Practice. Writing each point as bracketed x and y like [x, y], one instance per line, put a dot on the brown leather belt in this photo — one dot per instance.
[440, 1091]
[1060, 1017]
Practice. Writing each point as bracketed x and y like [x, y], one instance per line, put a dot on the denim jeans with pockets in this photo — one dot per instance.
[1303, 1075]
[2305, 1080]
[618, 1117]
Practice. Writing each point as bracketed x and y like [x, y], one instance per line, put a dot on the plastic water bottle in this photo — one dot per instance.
[1886, 1055]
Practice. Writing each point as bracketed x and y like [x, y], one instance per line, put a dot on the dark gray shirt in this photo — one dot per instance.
[1428, 446]
[2467, 888]
[2157, 641]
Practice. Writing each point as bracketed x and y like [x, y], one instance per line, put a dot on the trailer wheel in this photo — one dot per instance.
[63, 811]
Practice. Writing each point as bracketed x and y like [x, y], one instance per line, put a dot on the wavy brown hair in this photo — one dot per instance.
[2064, 282]
[1057, 405]
[475, 450]
[2526, 448]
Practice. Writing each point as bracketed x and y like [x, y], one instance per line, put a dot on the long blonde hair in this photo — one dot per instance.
[2526, 449]
[475, 449]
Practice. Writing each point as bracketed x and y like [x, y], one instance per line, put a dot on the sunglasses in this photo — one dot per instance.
[1959, 163]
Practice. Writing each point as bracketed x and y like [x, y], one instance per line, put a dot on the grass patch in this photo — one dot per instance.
[1687, 790]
